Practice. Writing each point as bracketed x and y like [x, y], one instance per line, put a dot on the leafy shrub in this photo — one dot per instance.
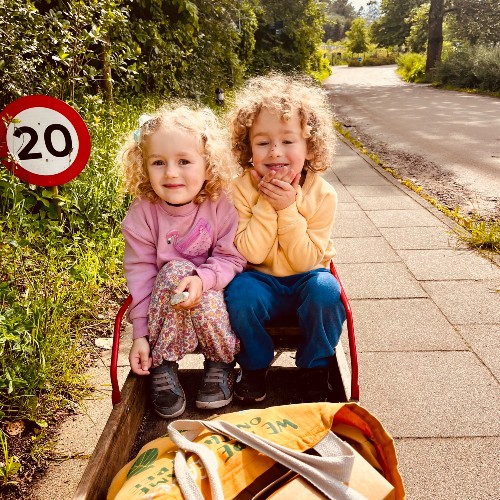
[471, 67]
[411, 67]
[371, 60]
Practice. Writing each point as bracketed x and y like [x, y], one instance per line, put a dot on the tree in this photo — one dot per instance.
[435, 35]
[416, 41]
[358, 37]
[288, 35]
[475, 21]
[391, 29]
[339, 15]
[373, 12]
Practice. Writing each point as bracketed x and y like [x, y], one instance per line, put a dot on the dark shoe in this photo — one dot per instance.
[251, 385]
[336, 390]
[313, 385]
[217, 386]
[168, 397]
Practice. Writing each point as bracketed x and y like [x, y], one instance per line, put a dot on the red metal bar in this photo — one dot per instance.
[115, 394]
[352, 339]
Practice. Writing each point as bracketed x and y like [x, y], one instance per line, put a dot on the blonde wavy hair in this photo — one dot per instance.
[284, 95]
[198, 121]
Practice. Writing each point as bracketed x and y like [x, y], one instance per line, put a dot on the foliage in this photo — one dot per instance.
[372, 60]
[418, 21]
[391, 29]
[224, 48]
[288, 36]
[475, 21]
[339, 15]
[55, 273]
[411, 67]
[9, 465]
[471, 67]
[61, 50]
[357, 37]
[481, 234]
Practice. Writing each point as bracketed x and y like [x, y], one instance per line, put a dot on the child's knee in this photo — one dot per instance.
[323, 289]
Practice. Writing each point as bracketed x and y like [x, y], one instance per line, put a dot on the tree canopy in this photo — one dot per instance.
[73, 49]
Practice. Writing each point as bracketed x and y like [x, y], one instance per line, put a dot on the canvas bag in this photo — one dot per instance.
[291, 429]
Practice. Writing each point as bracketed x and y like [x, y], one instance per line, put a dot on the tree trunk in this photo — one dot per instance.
[435, 35]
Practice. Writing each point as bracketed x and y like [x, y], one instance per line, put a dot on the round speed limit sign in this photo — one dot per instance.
[43, 140]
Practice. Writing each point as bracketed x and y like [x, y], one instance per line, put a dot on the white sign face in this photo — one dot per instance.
[42, 141]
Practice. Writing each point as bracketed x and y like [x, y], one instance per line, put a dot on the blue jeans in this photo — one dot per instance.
[253, 299]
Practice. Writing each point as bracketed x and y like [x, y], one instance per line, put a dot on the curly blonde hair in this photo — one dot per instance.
[284, 95]
[188, 117]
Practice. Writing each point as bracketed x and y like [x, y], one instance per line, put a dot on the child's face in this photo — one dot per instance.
[176, 168]
[277, 144]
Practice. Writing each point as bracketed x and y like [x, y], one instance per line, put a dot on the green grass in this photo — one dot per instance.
[61, 281]
[477, 233]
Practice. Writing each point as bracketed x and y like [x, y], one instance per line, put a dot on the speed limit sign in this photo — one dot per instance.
[43, 140]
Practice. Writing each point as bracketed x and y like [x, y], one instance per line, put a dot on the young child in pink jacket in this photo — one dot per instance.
[179, 253]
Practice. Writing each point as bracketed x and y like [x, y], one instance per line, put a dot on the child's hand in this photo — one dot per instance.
[139, 359]
[279, 192]
[194, 286]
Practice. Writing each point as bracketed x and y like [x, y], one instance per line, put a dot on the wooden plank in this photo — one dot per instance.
[117, 439]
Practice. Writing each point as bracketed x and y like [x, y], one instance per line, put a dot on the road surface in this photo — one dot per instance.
[448, 139]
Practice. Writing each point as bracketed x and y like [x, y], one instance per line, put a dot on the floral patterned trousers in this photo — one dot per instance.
[173, 333]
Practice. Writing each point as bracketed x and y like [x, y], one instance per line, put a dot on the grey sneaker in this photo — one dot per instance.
[167, 395]
[217, 386]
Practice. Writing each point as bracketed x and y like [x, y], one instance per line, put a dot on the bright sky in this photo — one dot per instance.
[358, 3]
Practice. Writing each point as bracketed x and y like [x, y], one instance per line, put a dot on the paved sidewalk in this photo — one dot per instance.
[427, 321]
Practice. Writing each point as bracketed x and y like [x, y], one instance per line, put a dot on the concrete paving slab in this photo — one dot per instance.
[403, 325]
[386, 203]
[451, 469]
[342, 194]
[125, 344]
[353, 224]
[348, 207]
[77, 438]
[466, 302]
[403, 218]
[364, 250]
[379, 281]
[444, 264]
[359, 177]
[376, 191]
[485, 342]
[430, 394]
[348, 161]
[419, 238]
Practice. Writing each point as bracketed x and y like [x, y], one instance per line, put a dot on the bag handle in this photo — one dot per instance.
[328, 473]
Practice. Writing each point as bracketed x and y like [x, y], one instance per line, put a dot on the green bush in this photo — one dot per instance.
[471, 68]
[411, 67]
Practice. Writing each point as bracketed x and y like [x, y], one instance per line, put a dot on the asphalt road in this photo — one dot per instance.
[457, 131]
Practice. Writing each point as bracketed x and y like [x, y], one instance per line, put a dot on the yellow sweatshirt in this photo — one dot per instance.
[294, 240]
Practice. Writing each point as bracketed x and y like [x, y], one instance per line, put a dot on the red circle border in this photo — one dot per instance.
[44, 101]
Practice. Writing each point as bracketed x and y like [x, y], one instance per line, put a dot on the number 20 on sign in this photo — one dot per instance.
[43, 140]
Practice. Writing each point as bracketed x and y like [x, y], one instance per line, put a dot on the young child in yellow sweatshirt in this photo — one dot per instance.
[282, 138]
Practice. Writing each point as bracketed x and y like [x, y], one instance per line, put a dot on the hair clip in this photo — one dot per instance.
[142, 120]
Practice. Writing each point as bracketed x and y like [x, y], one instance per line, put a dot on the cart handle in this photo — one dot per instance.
[353, 353]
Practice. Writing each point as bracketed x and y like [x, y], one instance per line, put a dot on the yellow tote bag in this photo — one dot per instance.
[294, 427]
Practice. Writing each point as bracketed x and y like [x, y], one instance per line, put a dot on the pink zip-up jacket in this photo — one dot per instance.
[156, 233]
